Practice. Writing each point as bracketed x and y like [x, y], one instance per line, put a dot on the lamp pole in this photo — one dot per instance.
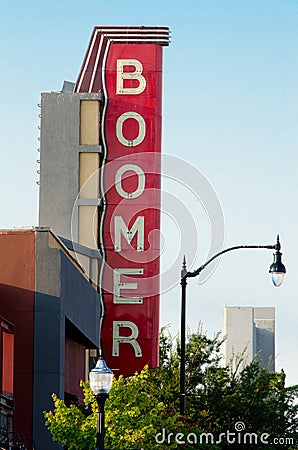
[101, 379]
[277, 270]
[100, 429]
[182, 338]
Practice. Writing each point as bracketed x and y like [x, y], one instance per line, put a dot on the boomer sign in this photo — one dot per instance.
[125, 65]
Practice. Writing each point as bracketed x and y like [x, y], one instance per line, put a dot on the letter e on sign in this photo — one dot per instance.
[118, 285]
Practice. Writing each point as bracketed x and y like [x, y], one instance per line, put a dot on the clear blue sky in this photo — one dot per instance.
[230, 109]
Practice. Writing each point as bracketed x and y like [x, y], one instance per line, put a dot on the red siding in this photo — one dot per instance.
[7, 362]
[17, 284]
[74, 367]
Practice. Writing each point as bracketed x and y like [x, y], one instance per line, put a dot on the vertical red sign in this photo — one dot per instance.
[128, 70]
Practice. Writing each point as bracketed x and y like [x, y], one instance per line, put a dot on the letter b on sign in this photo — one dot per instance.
[136, 75]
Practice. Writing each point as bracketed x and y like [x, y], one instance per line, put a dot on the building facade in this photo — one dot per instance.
[100, 177]
[54, 310]
[249, 332]
[6, 376]
[96, 251]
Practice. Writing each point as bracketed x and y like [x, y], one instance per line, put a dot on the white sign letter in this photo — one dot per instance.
[120, 227]
[119, 129]
[141, 181]
[132, 339]
[118, 285]
[136, 75]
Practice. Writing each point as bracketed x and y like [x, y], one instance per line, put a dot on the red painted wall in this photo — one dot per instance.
[74, 367]
[17, 283]
[7, 362]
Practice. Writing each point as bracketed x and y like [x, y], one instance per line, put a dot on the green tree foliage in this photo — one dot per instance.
[219, 398]
[136, 412]
[74, 426]
[134, 415]
[146, 405]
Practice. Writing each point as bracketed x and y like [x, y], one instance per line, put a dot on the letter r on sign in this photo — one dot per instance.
[132, 339]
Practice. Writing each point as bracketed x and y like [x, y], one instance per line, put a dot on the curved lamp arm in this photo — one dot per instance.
[276, 268]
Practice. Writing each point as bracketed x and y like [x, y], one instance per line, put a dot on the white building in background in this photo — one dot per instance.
[249, 331]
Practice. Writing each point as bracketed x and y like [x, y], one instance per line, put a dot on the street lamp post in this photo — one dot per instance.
[277, 271]
[101, 378]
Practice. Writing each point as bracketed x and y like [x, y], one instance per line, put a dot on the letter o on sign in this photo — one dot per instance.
[141, 181]
[119, 129]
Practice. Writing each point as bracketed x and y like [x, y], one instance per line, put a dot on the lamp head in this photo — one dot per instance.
[277, 269]
[101, 378]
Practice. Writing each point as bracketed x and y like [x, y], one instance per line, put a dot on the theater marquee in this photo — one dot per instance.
[125, 65]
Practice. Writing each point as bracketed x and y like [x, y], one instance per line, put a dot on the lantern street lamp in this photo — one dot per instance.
[101, 379]
[277, 271]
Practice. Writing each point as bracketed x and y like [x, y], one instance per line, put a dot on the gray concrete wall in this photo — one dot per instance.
[264, 319]
[238, 329]
[252, 329]
[59, 160]
[62, 293]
